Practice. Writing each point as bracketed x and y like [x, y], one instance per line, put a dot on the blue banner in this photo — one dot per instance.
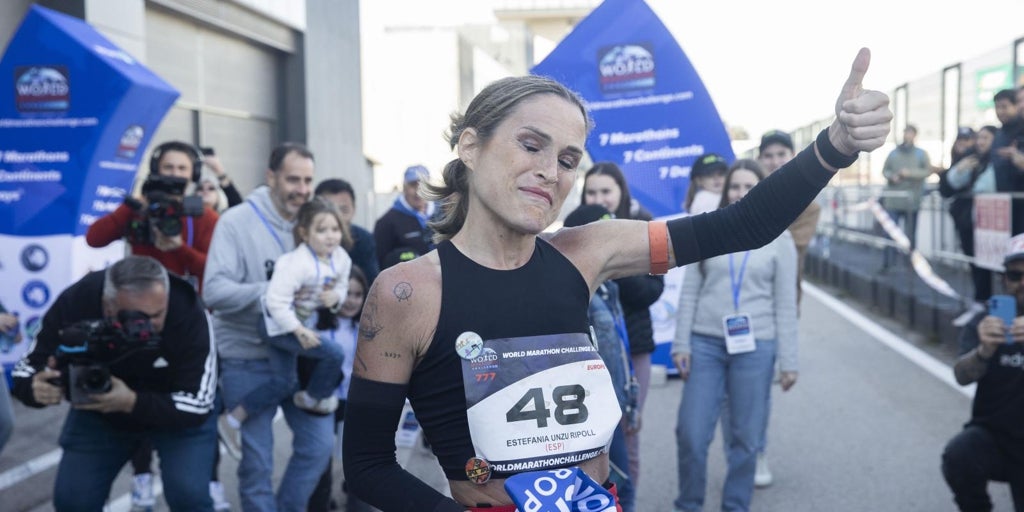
[652, 114]
[76, 114]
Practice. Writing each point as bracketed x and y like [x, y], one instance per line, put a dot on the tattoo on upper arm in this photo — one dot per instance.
[392, 355]
[403, 291]
[369, 327]
[362, 364]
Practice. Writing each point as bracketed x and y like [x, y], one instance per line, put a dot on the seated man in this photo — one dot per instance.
[130, 348]
[991, 445]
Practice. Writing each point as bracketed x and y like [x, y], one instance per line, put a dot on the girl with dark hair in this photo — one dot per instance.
[735, 313]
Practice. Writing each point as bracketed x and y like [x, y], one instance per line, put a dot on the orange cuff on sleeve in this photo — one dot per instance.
[657, 234]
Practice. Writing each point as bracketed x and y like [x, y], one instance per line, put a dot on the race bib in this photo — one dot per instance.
[539, 402]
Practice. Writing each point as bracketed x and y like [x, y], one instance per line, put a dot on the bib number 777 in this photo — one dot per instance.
[568, 401]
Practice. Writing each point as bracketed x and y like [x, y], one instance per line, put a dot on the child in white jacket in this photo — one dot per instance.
[314, 276]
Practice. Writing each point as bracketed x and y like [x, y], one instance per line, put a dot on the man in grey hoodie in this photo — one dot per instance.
[247, 240]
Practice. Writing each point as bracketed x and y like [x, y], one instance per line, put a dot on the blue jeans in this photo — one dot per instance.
[312, 443]
[94, 454]
[284, 350]
[746, 378]
[6, 412]
[618, 453]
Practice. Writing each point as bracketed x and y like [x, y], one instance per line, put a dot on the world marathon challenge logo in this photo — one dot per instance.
[42, 89]
[626, 68]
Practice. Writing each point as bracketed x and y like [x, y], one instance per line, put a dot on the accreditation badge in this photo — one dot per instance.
[739, 334]
[539, 402]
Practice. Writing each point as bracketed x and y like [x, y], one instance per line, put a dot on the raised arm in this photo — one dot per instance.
[861, 124]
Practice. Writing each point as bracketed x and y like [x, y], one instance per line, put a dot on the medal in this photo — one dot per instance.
[478, 470]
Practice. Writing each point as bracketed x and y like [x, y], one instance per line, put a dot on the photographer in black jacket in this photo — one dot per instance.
[150, 331]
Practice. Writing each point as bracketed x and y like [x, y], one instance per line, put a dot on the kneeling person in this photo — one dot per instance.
[130, 347]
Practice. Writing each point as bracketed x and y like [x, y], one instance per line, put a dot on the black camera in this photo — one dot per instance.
[90, 347]
[166, 208]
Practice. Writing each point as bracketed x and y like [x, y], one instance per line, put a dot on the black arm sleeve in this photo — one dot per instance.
[368, 452]
[757, 219]
[232, 194]
[45, 345]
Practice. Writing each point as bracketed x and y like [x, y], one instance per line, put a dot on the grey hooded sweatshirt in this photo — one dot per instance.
[245, 244]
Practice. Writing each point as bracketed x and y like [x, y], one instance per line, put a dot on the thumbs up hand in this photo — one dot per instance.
[862, 116]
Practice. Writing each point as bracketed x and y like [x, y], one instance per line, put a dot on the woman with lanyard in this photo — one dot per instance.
[488, 336]
[735, 313]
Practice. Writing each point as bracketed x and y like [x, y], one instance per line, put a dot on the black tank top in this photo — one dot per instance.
[547, 295]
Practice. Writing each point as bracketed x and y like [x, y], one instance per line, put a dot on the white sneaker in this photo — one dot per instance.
[968, 314]
[762, 475]
[321, 407]
[217, 495]
[142, 492]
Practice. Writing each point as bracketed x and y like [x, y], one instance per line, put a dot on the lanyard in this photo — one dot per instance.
[316, 263]
[188, 222]
[271, 229]
[737, 282]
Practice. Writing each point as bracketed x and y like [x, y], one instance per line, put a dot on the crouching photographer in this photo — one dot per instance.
[166, 221]
[130, 348]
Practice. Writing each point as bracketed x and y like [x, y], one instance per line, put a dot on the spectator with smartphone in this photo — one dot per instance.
[991, 445]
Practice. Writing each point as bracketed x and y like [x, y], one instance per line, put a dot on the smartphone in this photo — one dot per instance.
[1005, 308]
[207, 150]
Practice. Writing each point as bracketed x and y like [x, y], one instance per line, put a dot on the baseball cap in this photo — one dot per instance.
[707, 164]
[416, 173]
[965, 132]
[1014, 249]
[585, 214]
[775, 137]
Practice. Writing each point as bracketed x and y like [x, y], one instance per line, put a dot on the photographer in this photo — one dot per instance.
[991, 445]
[146, 370]
[163, 223]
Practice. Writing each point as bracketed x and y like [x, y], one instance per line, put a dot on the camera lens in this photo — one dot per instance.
[94, 379]
[169, 226]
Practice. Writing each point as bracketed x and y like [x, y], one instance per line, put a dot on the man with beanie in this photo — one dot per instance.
[403, 228]
[991, 445]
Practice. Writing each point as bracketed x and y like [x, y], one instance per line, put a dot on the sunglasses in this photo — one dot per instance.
[1014, 276]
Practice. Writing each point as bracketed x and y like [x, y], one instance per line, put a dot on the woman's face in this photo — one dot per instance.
[354, 300]
[601, 189]
[712, 183]
[983, 142]
[521, 176]
[208, 191]
[742, 181]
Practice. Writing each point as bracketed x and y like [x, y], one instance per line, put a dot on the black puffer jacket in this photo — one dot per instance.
[637, 293]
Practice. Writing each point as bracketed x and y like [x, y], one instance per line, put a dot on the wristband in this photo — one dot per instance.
[657, 234]
[830, 154]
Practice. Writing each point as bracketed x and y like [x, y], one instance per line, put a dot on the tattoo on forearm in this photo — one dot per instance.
[403, 291]
[368, 325]
[970, 368]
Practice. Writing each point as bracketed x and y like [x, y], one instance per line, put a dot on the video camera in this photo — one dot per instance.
[166, 207]
[90, 347]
